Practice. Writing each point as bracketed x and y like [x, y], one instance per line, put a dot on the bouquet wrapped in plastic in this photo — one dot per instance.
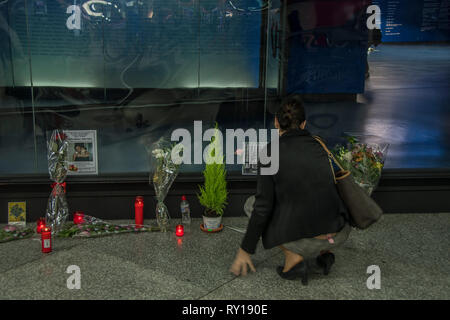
[364, 157]
[163, 173]
[11, 232]
[57, 209]
[93, 227]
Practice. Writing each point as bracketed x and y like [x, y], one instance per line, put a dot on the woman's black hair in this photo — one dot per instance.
[291, 113]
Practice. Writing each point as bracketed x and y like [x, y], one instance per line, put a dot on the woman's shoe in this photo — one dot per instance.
[300, 270]
[325, 261]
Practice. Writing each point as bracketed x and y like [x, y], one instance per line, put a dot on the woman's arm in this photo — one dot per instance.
[261, 214]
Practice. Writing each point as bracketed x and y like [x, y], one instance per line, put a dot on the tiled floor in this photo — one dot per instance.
[411, 251]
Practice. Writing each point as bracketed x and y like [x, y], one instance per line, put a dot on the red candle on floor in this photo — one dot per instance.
[139, 211]
[46, 240]
[78, 217]
[179, 230]
[40, 225]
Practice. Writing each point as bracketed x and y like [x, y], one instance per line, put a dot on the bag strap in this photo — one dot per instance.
[330, 157]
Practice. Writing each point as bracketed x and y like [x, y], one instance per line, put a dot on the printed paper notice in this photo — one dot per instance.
[82, 152]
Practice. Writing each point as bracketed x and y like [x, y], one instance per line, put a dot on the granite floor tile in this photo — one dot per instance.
[19, 252]
[198, 257]
[102, 277]
[411, 251]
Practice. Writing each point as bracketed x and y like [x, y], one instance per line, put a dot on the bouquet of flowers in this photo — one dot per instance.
[93, 227]
[364, 160]
[10, 232]
[162, 175]
[57, 209]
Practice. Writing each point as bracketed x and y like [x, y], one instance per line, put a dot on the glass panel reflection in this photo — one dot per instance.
[135, 71]
[152, 44]
[230, 43]
[17, 148]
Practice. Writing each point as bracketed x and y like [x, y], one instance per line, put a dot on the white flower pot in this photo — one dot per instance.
[212, 222]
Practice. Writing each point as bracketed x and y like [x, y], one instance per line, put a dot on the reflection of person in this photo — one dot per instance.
[298, 209]
[81, 153]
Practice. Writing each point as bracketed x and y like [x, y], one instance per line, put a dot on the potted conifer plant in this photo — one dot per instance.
[213, 194]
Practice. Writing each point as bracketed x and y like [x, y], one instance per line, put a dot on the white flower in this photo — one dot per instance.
[158, 153]
[347, 156]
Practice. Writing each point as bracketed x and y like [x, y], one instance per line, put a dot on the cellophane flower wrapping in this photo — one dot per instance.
[57, 208]
[364, 157]
[162, 174]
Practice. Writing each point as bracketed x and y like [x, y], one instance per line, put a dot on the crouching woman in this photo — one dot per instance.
[297, 209]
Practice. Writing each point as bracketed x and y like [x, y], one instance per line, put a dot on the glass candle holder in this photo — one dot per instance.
[46, 240]
[139, 211]
[179, 230]
[78, 217]
[40, 225]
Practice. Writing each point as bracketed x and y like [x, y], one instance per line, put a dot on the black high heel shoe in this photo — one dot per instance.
[300, 270]
[325, 261]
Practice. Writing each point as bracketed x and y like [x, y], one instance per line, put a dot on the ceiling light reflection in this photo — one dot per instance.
[89, 5]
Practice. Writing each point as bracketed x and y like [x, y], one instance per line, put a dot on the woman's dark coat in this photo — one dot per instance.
[300, 200]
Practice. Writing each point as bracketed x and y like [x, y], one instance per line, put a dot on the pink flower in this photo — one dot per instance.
[9, 228]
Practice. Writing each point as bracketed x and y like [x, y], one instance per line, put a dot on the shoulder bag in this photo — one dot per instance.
[363, 210]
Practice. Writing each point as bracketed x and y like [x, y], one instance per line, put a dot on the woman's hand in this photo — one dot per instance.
[240, 263]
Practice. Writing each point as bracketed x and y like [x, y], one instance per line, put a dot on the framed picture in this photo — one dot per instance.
[82, 152]
[17, 213]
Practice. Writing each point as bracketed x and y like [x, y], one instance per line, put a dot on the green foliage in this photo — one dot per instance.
[352, 140]
[213, 194]
[16, 233]
[68, 230]
[71, 230]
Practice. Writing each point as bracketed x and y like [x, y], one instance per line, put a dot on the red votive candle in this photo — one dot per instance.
[179, 230]
[139, 211]
[78, 217]
[46, 239]
[40, 225]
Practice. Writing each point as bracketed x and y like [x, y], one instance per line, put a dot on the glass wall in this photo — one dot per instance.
[133, 70]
